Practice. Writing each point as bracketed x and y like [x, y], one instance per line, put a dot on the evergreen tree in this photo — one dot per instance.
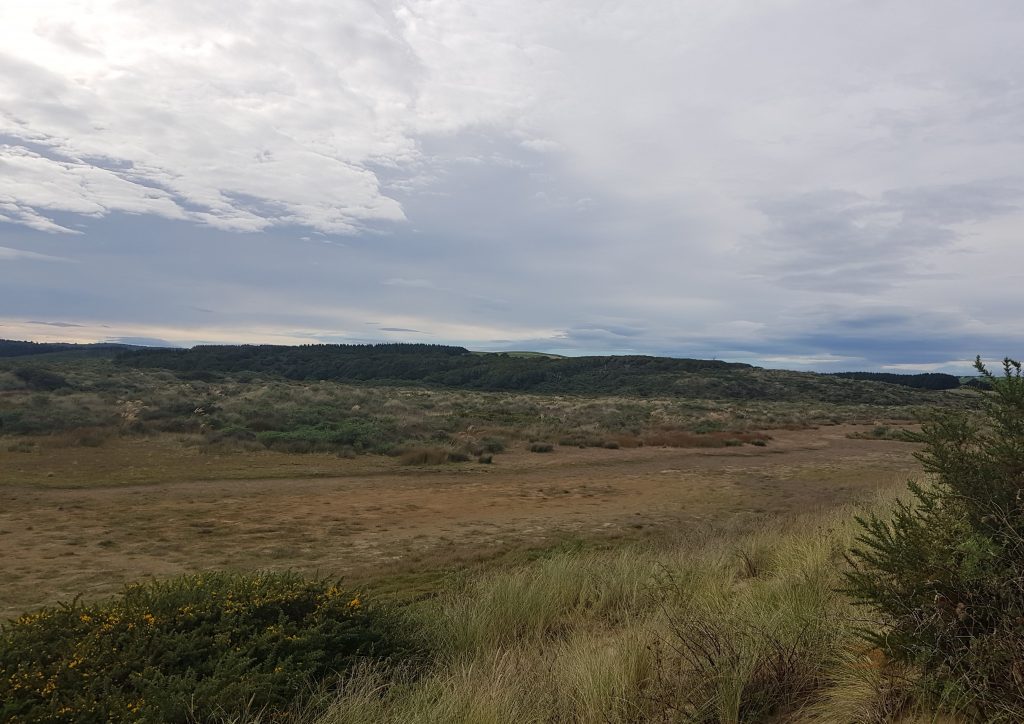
[945, 574]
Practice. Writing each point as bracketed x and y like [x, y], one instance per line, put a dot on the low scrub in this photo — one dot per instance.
[683, 438]
[356, 433]
[215, 645]
[432, 456]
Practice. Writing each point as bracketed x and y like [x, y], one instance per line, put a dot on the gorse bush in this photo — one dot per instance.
[945, 573]
[215, 645]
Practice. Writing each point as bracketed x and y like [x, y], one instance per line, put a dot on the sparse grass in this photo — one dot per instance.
[883, 432]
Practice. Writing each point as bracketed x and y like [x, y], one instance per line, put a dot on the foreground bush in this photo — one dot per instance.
[945, 573]
[215, 645]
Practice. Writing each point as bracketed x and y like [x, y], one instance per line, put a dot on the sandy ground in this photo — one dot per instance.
[373, 516]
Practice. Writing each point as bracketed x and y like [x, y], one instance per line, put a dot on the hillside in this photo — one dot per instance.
[457, 368]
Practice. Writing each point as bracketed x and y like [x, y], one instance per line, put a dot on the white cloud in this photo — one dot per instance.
[745, 172]
[9, 254]
[239, 118]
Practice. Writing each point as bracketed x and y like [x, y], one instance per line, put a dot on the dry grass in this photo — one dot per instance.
[142, 506]
[694, 632]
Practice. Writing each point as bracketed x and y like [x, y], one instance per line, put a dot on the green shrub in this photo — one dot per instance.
[492, 445]
[945, 575]
[40, 379]
[357, 433]
[195, 647]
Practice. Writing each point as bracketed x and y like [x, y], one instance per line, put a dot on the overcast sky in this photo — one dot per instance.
[793, 183]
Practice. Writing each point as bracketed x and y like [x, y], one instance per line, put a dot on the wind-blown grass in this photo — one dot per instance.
[727, 627]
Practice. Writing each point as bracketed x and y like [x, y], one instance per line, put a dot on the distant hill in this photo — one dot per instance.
[926, 381]
[19, 348]
[457, 367]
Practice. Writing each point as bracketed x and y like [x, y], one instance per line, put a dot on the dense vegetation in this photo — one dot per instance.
[926, 381]
[18, 348]
[87, 402]
[946, 572]
[214, 645]
[457, 368]
[423, 364]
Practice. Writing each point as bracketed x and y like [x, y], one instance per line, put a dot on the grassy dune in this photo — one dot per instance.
[734, 626]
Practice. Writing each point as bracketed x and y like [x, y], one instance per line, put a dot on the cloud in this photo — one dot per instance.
[240, 120]
[55, 324]
[786, 180]
[413, 283]
[9, 254]
[141, 341]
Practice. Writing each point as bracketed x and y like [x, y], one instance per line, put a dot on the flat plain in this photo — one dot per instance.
[87, 520]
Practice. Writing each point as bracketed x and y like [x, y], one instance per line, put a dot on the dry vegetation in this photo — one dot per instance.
[741, 625]
[139, 421]
[663, 560]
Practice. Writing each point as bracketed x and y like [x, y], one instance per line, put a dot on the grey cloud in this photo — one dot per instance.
[142, 341]
[772, 182]
[847, 242]
[55, 324]
[9, 254]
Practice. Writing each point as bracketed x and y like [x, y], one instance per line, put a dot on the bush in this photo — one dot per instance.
[541, 447]
[432, 456]
[353, 433]
[945, 575]
[196, 647]
[40, 379]
[492, 445]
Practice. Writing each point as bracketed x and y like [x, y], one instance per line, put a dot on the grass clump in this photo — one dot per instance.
[214, 645]
[432, 456]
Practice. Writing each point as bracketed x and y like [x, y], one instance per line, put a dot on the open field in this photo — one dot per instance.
[541, 553]
[167, 509]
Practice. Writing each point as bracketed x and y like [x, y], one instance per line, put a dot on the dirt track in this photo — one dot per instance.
[60, 542]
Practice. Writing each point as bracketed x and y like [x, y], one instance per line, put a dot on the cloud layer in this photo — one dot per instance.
[788, 182]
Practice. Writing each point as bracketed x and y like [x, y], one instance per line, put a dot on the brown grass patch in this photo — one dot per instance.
[683, 438]
[432, 456]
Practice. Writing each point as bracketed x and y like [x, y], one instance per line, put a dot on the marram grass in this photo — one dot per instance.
[741, 627]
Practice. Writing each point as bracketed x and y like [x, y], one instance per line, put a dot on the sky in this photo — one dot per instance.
[790, 183]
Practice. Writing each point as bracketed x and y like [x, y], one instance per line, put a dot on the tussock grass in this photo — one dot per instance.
[727, 627]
